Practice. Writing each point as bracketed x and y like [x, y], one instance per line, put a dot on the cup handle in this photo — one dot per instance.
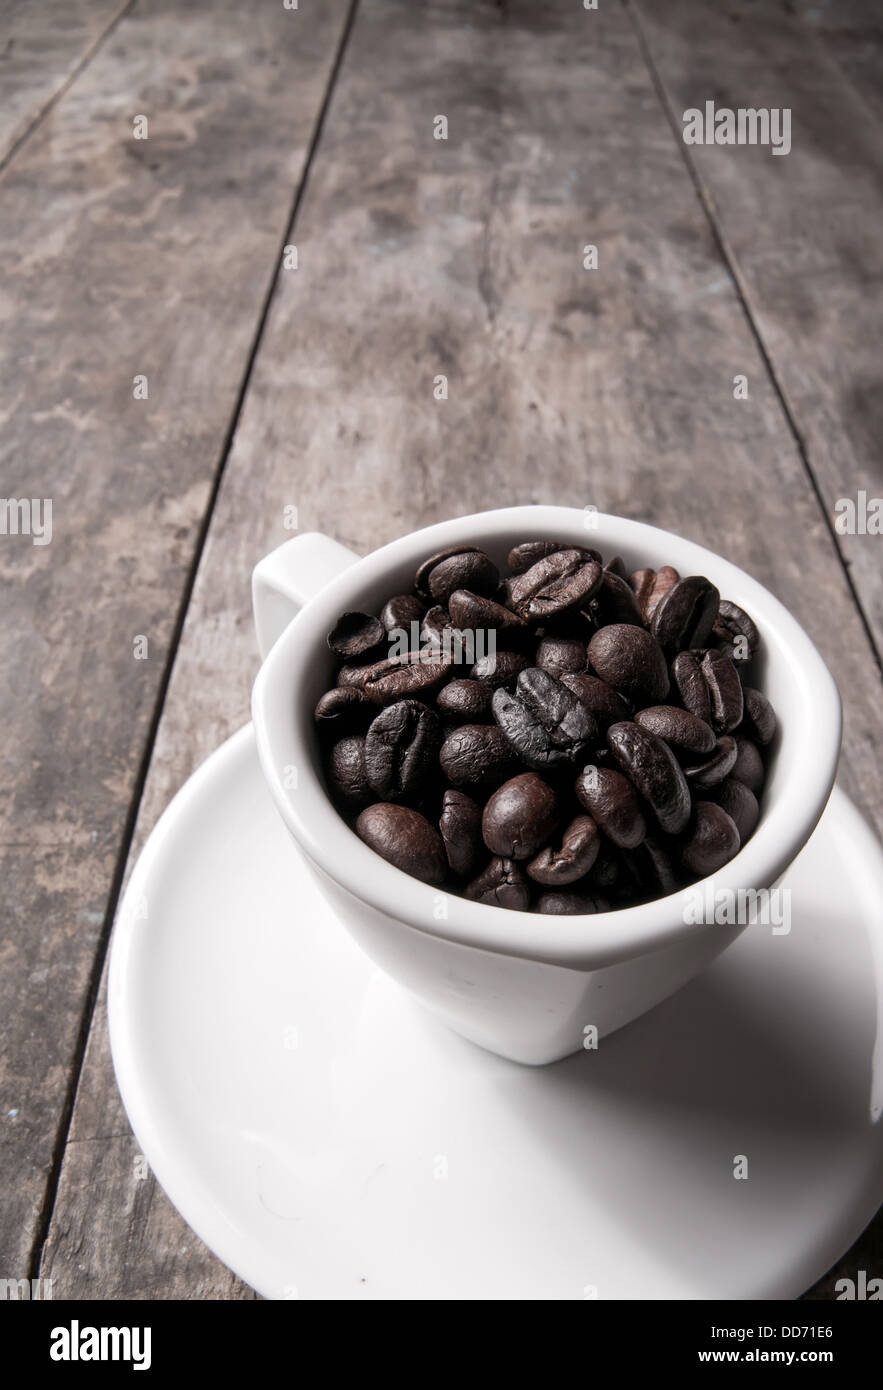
[289, 577]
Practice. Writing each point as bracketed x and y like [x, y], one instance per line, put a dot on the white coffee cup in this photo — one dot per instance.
[528, 986]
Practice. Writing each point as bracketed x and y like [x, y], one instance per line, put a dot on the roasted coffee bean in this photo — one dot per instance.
[606, 705]
[712, 841]
[734, 627]
[399, 612]
[477, 755]
[652, 868]
[571, 904]
[617, 566]
[466, 701]
[475, 612]
[436, 622]
[559, 582]
[460, 828]
[341, 710]
[421, 578]
[680, 729]
[740, 805]
[405, 839]
[354, 634]
[471, 569]
[614, 602]
[401, 748]
[759, 719]
[529, 553]
[499, 669]
[561, 656]
[651, 586]
[686, 614]
[652, 767]
[347, 774]
[501, 884]
[545, 722]
[519, 817]
[398, 677]
[748, 766]
[725, 691]
[712, 770]
[606, 873]
[613, 803]
[572, 859]
[686, 670]
[630, 660]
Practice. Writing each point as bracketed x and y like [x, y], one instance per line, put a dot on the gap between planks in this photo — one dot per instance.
[97, 971]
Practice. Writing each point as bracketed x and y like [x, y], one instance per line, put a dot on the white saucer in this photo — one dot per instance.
[328, 1139]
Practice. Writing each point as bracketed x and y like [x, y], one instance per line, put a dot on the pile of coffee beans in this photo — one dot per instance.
[565, 739]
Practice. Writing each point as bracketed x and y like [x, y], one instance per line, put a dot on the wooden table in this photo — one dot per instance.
[270, 386]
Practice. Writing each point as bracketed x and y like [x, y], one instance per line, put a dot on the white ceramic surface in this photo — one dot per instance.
[329, 1139]
[521, 984]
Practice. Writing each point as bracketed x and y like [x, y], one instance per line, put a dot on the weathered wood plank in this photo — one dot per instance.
[121, 257]
[802, 231]
[612, 387]
[42, 47]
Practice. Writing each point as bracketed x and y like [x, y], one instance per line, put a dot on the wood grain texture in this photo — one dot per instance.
[613, 387]
[801, 229]
[41, 48]
[120, 257]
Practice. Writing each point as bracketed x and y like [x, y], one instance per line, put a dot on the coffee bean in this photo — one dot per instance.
[436, 622]
[347, 775]
[680, 729]
[405, 839]
[472, 570]
[500, 669]
[398, 677]
[686, 614]
[559, 582]
[476, 612]
[606, 705]
[691, 685]
[572, 859]
[725, 691]
[613, 803]
[614, 602]
[421, 578]
[466, 700]
[460, 828]
[606, 874]
[740, 805]
[571, 904]
[652, 868]
[748, 766]
[341, 710]
[617, 566]
[759, 720]
[630, 660]
[652, 767]
[519, 817]
[545, 722]
[712, 842]
[354, 634]
[561, 656]
[501, 884]
[651, 586]
[714, 769]
[477, 755]
[399, 612]
[400, 749]
[523, 557]
[734, 627]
